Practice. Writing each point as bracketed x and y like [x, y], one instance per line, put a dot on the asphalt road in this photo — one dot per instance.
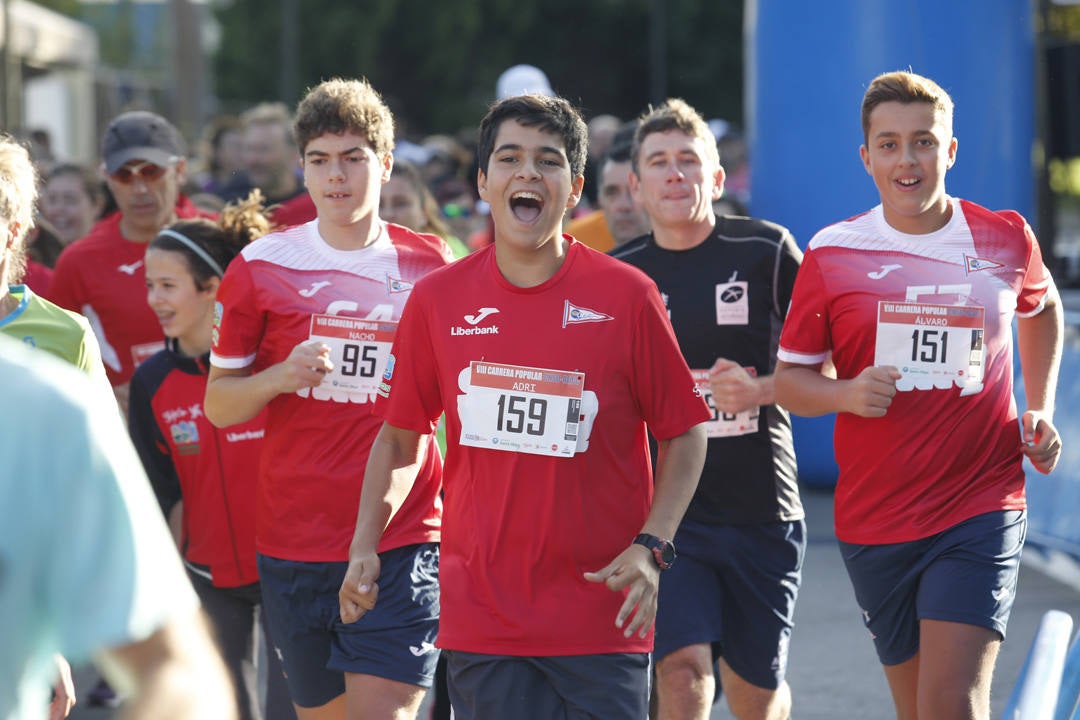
[833, 670]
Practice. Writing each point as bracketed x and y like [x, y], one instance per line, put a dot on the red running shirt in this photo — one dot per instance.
[940, 308]
[547, 392]
[291, 286]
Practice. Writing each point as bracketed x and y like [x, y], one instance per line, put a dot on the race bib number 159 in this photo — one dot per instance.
[522, 409]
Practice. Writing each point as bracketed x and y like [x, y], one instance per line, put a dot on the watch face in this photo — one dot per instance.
[664, 552]
[667, 552]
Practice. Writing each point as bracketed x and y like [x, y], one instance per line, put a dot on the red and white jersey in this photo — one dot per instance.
[288, 287]
[940, 308]
[103, 277]
[547, 392]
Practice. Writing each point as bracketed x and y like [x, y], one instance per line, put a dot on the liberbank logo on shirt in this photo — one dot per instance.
[475, 319]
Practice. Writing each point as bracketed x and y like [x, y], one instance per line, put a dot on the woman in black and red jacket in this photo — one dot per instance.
[204, 477]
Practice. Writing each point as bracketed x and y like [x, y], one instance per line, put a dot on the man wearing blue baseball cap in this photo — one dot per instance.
[141, 136]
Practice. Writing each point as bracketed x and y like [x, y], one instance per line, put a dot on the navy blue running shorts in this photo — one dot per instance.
[965, 574]
[396, 640]
[567, 687]
[734, 587]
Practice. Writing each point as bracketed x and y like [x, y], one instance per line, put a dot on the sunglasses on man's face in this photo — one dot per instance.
[147, 172]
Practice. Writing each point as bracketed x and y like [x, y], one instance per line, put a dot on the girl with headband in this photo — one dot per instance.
[204, 478]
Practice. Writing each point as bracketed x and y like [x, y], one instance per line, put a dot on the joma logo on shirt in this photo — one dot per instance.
[885, 270]
[314, 288]
[480, 315]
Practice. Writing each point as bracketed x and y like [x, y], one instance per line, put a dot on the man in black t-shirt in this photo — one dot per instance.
[727, 282]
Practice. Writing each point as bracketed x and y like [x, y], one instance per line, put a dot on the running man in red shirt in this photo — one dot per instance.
[103, 275]
[304, 324]
[550, 359]
[915, 301]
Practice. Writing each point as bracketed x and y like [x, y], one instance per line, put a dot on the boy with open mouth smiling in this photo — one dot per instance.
[550, 360]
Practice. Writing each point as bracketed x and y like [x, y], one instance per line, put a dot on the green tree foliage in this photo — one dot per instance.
[64, 7]
[1063, 22]
[437, 62]
[708, 72]
[116, 35]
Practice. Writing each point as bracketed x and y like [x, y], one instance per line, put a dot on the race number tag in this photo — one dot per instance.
[733, 303]
[359, 350]
[933, 346]
[725, 424]
[522, 409]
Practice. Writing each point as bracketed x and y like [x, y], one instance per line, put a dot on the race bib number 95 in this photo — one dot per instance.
[359, 350]
[521, 409]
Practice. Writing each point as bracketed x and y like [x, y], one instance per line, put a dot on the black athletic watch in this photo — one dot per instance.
[663, 551]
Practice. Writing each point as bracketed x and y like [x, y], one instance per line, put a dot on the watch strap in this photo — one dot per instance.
[656, 545]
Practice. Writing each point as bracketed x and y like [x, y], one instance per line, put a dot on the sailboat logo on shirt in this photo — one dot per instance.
[975, 264]
[573, 314]
[397, 285]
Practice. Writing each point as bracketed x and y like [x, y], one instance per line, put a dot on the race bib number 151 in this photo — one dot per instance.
[934, 346]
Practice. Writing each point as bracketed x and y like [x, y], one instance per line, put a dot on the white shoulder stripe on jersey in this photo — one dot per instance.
[1037, 310]
[801, 358]
[870, 232]
[301, 248]
[231, 363]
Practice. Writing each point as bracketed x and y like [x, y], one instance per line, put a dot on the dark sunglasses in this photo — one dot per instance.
[147, 172]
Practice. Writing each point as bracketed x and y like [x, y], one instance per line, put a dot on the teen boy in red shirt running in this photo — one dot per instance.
[549, 359]
[304, 325]
[915, 301]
